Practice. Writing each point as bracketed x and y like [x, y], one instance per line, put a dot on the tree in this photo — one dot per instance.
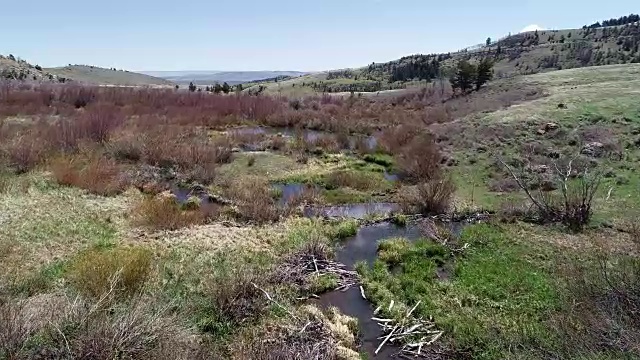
[464, 76]
[217, 88]
[177, 87]
[484, 72]
[192, 87]
[226, 88]
[488, 41]
[207, 88]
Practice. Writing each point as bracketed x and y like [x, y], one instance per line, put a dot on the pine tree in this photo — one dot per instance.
[464, 76]
[484, 72]
[226, 88]
[192, 87]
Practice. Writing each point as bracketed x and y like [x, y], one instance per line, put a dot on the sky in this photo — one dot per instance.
[242, 35]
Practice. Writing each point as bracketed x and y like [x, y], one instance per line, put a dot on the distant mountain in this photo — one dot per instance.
[211, 77]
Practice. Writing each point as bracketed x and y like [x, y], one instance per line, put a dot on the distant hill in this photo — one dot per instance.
[523, 53]
[94, 75]
[14, 68]
[211, 77]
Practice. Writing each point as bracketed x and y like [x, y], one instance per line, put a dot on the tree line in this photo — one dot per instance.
[216, 88]
[623, 20]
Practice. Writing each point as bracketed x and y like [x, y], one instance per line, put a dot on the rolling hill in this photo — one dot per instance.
[17, 69]
[94, 75]
[212, 77]
[519, 54]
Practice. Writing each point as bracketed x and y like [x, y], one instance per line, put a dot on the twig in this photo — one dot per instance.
[273, 301]
[386, 339]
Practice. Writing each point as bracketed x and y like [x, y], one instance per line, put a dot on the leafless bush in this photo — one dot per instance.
[574, 205]
[420, 160]
[254, 201]
[234, 296]
[428, 198]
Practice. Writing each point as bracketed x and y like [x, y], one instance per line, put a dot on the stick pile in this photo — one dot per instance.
[406, 329]
[314, 261]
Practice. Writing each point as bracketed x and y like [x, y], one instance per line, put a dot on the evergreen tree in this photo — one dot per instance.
[484, 72]
[226, 88]
[192, 87]
[464, 76]
[217, 88]
[488, 41]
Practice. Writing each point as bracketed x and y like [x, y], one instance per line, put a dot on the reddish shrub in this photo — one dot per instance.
[94, 173]
[420, 160]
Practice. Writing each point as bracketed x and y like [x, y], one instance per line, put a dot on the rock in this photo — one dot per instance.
[548, 127]
[593, 149]
[540, 169]
[548, 185]
[562, 106]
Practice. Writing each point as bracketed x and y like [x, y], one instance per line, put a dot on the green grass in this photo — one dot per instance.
[496, 302]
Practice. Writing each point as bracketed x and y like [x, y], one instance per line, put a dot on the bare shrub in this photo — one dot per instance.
[62, 328]
[254, 201]
[420, 160]
[91, 273]
[428, 198]
[93, 172]
[605, 293]
[574, 205]
[165, 213]
[17, 327]
[25, 152]
[233, 295]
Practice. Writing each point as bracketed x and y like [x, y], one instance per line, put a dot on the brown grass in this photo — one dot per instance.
[94, 173]
[254, 201]
[62, 328]
[92, 272]
[165, 213]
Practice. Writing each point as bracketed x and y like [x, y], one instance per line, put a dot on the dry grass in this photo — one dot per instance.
[253, 199]
[165, 213]
[95, 173]
[312, 335]
[73, 328]
[92, 271]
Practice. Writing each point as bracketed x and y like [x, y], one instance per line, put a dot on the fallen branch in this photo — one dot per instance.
[275, 302]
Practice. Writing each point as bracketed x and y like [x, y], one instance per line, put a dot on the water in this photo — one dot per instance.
[353, 211]
[292, 191]
[364, 247]
[371, 142]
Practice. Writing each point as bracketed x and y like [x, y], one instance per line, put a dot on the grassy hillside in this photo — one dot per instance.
[519, 54]
[94, 75]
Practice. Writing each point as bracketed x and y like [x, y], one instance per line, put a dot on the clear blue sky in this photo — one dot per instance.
[270, 34]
